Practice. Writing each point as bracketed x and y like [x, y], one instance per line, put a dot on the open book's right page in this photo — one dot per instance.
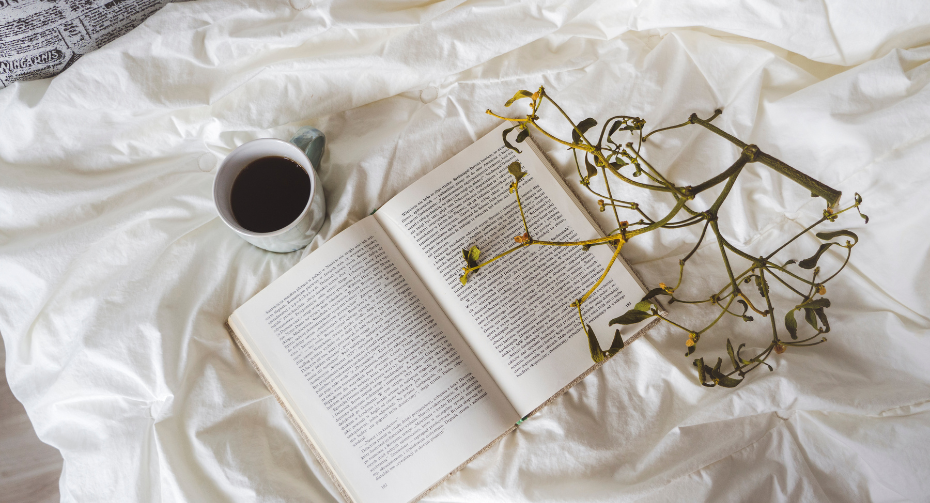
[515, 313]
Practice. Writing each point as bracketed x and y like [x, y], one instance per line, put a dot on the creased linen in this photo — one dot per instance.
[116, 273]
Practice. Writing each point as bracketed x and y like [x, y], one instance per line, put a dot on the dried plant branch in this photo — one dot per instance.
[607, 156]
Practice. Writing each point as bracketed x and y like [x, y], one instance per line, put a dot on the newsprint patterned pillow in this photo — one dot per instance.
[41, 38]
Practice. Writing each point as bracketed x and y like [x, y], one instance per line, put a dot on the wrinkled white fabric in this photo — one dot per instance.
[116, 273]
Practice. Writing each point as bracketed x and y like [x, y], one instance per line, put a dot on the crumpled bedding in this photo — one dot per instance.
[116, 273]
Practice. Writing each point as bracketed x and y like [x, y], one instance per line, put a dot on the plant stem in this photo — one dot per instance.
[723, 253]
[673, 323]
[660, 223]
[511, 119]
[786, 284]
[610, 194]
[725, 309]
[796, 236]
[732, 170]
[496, 257]
[830, 195]
[604, 275]
[516, 191]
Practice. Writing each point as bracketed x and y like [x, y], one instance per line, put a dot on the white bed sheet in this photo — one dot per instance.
[116, 273]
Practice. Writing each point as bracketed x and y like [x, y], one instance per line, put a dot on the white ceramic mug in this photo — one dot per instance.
[306, 149]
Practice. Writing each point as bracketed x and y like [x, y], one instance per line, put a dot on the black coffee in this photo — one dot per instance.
[269, 194]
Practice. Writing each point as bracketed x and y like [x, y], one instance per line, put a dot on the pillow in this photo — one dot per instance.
[41, 38]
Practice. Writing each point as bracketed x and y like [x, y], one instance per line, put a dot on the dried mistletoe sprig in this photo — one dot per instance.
[614, 161]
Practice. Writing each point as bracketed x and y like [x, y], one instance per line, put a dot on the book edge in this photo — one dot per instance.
[465, 463]
[343, 491]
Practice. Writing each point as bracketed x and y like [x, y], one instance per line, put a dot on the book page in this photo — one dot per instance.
[515, 313]
[386, 387]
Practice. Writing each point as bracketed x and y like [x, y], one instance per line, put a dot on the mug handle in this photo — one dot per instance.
[312, 141]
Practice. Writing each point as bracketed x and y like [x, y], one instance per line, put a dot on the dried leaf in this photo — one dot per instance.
[592, 171]
[596, 354]
[762, 286]
[791, 324]
[630, 317]
[744, 304]
[473, 254]
[741, 360]
[516, 169]
[823, 319]
[733, 359]
[717, 366]
[507, 143]
[617, 343]
[519, 96]
[583, 126]
[644, 306]
[716, 376]
[522, 135]
[614, 127]
[745, 310]
[810, 317]
[722, 379]
[471, 260]
[702, 376]
[626, 125]
[816, 303]
[655, 291]
[830, 235]
[811, 262]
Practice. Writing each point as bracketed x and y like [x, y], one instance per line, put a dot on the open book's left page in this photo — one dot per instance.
[384, 385]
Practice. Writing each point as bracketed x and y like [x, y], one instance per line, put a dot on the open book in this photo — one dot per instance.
[395, 373]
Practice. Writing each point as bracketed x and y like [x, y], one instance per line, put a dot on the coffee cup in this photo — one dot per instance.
[268, 191]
